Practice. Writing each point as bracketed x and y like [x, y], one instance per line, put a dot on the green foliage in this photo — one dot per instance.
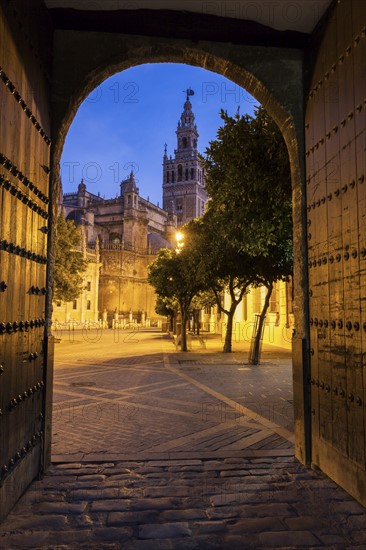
[177, 276]
[165, 306]
[226, 267]
[69, 262]
[203, 300]
[249, 184]
[247, 230]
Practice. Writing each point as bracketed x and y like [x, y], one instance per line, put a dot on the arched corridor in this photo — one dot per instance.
[308, 72]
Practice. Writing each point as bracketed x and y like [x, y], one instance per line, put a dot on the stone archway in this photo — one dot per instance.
[254, 68]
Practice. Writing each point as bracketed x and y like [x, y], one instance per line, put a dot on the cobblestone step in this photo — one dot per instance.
[271, 503]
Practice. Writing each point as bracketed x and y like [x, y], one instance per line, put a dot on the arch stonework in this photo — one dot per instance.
[273, 76]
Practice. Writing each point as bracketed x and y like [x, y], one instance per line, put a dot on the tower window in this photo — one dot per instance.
[192, 173]
[173, 176]
[88, 286]
[75, 304]
[167, 177]
[184, 142]
[180, 172]
[187, 174]
[88, 304]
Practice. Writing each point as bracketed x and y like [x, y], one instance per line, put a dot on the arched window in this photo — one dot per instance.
[115, 238]
[192, 173]
[184, 142]
[173, 176]
[167, 177]
[187, 174]
[180, 172]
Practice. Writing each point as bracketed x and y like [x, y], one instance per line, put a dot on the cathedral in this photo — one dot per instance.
[123, 235]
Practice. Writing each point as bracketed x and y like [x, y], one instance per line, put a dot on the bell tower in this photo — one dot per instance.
[183, 175]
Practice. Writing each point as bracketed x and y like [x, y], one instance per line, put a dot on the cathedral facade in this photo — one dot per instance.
[128, 231]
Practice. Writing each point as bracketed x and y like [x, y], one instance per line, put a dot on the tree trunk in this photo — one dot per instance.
[183, 335]
[196, 316]
[255, 360]
[175, 324]
[229, 328]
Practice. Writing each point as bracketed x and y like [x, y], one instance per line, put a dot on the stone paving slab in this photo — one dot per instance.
[268, 503]
[186, 455]
[116, 394]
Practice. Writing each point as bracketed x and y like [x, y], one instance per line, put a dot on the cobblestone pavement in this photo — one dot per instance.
[195, 451]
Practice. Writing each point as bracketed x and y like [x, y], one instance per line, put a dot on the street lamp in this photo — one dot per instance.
[179, 237]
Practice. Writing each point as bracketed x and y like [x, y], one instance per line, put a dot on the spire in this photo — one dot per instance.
[165, 151]
[82, 186]
[187, 130]
[183, 175]
[129, 185]
[187, 118]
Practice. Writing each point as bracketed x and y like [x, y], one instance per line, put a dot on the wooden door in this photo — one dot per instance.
[24, 203]
[335, 165]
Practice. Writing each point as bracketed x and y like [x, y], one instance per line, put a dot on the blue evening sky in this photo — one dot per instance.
[125, 122]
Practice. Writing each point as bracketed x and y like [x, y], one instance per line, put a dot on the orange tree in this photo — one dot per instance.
[176, 275]
[70, 264]
[249, 184]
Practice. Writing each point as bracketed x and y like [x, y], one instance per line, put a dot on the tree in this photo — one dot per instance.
[249, 183]
[176, 275]
[224, 266]
[70, 264]
[202, 300]
[167, 307]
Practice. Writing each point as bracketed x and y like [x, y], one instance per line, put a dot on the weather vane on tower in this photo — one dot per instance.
[189, 92]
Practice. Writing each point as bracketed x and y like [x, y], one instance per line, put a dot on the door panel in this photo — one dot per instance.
[337, 250]
[24, 160]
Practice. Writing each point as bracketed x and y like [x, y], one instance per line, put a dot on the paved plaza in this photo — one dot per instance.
[139, 396]
[158, 449]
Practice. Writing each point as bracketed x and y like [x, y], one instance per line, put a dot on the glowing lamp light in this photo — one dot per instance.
[179, 237]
